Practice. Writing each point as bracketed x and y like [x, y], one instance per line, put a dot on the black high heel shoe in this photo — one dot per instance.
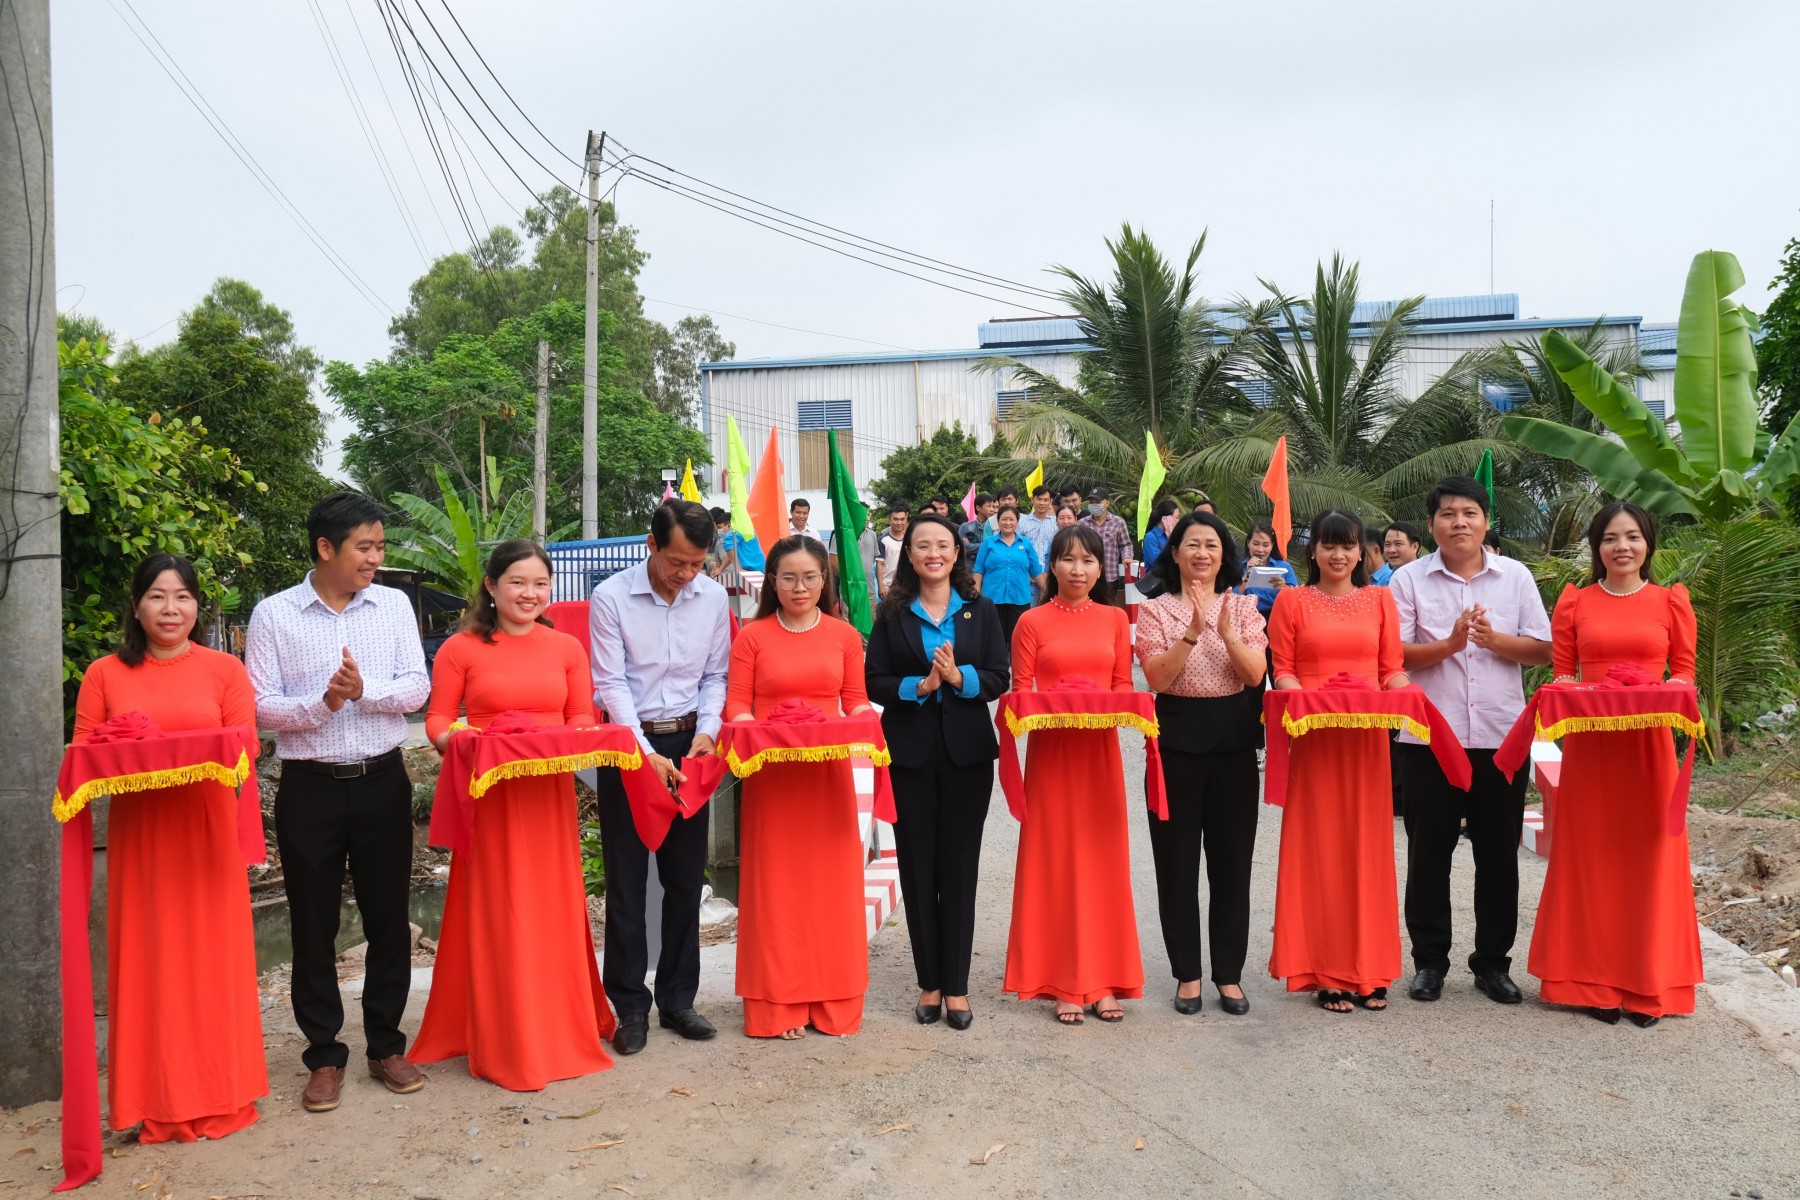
[1187, 1006]
[1237, 1006]
[1641, 1020]
[928, 1014]
[958, 1018]
[1609, 1015]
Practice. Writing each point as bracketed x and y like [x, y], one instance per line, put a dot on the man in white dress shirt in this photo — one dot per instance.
[660, 638]
[337, 664]
[1470, 620]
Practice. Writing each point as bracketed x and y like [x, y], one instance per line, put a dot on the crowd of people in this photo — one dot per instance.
[1011, 601]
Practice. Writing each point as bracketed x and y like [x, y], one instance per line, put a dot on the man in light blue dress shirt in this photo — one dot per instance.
[660, 638]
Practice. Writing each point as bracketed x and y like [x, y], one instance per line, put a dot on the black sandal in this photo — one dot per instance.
[1326, 997]
[1117, 1014]
[1368, 1001]
[1071, 1019]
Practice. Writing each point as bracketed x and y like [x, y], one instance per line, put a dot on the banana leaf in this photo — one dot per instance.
[1613, 466]
[1715, 368]
[1619, 409]
[1782, 463]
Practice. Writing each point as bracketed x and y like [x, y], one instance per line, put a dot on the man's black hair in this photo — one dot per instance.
[336, 516]
[1457, 485]
[695, 523]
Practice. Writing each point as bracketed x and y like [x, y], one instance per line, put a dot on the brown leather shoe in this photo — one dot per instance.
[400, 1076]
[323, 1090]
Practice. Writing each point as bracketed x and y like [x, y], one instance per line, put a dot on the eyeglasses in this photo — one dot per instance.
[791, 583]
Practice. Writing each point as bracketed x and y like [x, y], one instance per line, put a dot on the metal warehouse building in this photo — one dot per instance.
[881, 402]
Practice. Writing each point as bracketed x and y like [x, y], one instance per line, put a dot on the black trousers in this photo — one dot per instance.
[681, 866]
[1009, 618]
[320, 825]
[943, 809]
[1212, 807]
[1495, 811]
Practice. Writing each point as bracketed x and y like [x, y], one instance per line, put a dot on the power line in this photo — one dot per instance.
[242, 153]
[365, 125]
[484, 62]
[399, 128]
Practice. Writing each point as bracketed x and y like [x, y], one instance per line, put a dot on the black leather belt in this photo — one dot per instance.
[343, 770]
[673, 725]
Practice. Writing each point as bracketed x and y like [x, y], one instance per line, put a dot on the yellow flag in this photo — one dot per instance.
[1154, 473]
[1035, 480]
[690, 490]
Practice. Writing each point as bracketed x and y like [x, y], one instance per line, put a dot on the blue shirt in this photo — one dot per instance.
[1154, 543]
[1382, 575]
[750, 555]
[934, 634]
[1007, 571]
[1038, 531]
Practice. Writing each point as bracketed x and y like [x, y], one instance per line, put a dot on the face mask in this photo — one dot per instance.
[1095, 509]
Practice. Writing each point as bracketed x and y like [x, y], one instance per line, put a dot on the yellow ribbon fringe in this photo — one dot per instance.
[1662, 720]
[560, 765]
[1144, 725]
[151, 781]
[744, 767]
[1306, 724]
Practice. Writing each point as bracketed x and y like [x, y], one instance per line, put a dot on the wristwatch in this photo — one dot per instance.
[1192, 641]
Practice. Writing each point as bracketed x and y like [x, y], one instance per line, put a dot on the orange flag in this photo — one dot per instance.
[1275, 487]
[768, 500]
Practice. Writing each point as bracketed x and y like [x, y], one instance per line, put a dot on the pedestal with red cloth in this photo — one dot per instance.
[1351, 702]
[514, 745]
[1628, 698]
[1076, 703]
[127, 754]
[795, 731]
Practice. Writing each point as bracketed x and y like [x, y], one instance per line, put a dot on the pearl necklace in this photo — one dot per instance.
[1056, 602]
[1642, 584]
[781, 617]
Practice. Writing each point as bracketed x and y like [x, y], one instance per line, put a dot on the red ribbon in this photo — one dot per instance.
[1351, 696]
[1076, 695]
[796, 725]
[128, 744]
[1628, 691]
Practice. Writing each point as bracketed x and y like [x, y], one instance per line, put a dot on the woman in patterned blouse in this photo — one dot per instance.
[1202, 646]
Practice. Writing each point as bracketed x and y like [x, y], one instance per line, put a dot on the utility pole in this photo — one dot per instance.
[590, 363]
[31, 734]
[540, 471]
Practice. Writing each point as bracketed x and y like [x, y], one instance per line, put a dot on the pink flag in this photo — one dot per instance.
[668, 492]
[969, 502]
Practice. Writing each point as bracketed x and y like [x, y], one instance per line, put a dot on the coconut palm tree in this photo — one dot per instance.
[1163, 360]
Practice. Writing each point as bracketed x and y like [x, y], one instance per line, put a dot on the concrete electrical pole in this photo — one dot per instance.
[31, 732]
[590, 363]
[540, 468]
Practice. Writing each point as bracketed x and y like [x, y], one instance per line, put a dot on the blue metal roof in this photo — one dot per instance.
[849, 360]
[1656, 340]
[1031, 331]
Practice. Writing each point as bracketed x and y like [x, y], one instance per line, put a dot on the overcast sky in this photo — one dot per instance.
[1614, 139]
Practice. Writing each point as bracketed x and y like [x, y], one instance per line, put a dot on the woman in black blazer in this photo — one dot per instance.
[935, 660]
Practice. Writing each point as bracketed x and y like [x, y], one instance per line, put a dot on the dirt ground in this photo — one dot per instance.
[1744, 838]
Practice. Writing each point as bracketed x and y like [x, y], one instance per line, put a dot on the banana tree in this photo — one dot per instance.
[448, 543]
[1721, 467]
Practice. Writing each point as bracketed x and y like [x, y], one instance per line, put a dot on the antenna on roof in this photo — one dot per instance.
[1490, 245]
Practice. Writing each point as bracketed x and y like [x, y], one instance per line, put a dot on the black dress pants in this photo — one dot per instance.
[1495, 810]
[320, 825]
[1009, 620]
[681, 866]
[942, 809]
[1212, 807]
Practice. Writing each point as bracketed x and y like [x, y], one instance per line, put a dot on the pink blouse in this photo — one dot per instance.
[1163, 621]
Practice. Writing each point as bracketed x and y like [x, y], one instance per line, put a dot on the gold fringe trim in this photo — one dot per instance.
[743, 767]
[1662, 720]
[563, 764]
[151, 781]
[1306, 724]
[1017, 725]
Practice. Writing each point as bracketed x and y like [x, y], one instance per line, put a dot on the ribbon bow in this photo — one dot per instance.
[1075, 683]
[1343, 681]
[794, 712]
[512, 721]
[1629, 675]
[126, 727]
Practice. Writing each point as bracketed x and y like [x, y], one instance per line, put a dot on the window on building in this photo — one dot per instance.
[1004, 403]
[813, 419]
[1258, 391]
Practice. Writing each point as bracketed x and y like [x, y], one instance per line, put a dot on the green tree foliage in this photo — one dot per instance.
[679, 353]
[448, 543]
[134, 483]
[475, 397]
[1778, 353]
[946, 462]
[236, 368]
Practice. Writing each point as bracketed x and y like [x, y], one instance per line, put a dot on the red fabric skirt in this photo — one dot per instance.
[184, 1043]
[803, 943]
[1616, 926]
[1337, 914]
[1074, 930]
[516, 986]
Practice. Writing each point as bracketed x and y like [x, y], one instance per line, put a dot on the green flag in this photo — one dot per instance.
[848, 516]
[737, 486]
[1484, 473]
[1154, 473]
